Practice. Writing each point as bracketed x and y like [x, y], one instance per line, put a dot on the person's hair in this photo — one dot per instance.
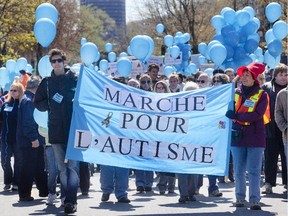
[134, 81]
[218, 70]
[147, 77]
[164, 83]
[280, 68]
[190, 78]
[229, 70]
[174, 75]
[20, 89]
[33, 82]
[189, 86]
[151, 66]
[56, 51]
[222, 77]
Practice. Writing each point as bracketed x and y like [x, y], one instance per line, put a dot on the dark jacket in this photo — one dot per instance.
[27, 128]
[48, 97]
[253, 134]
[8, 117]
[271, 128]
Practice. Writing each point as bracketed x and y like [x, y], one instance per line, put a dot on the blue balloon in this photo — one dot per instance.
[218, 54]
[202, 48]
[225, 31]
[47, 10]
[151, 47]
[111, 56]
[230, 51]
[21, 64]
[219, 38]
[168, 40]
[229, 16]
[201, 59]
[45, 31]
[124, 66]
[270, 60]
[103, 65]
[250, 10]
[258, 51]
[89, 53]
[280, 29]
[273, 11]
[253, 57]
[4, 77]
[97, 57]
[168, 70]
[179, 34]
[176, 39]
[129, 50]
[254, 36]
[44, 66]
[260, 59]
[139, 47]
[192, 68]
[250, 46]
[217, 21]
[257, 21]
[239, 53]
[242, 36]
[11, 65]
[242, 17]
[209, 71]
[83, 41]
[160, 28]
[232, 39]
[108, 47]
[123, 54]
[275, 48]
[269, 36]
[175, 51]
[185, 38]
[250, 28]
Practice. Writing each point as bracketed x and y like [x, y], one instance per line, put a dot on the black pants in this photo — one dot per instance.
[84, 174]
[274, 147]
[32, 169]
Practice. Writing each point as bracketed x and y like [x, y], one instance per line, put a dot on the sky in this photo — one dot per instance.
[132, 11]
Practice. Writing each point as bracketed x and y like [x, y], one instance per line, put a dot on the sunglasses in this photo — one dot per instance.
[56, 60]
[217, 81]
[13, 90]
[201, 81]
[145, 82]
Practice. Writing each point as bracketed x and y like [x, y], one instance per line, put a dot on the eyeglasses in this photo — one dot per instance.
[145, 82]
[56, 60]
[201, 81]
[13, 90]
[217, 81]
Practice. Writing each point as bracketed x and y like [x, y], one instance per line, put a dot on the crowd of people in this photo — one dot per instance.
[259, 136]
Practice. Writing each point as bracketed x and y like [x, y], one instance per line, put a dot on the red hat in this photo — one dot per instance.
[254, 68]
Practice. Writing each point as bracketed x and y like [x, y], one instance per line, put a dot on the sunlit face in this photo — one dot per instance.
[173, 83]
[231, 75]
[247, 79]
[203, 81]
[153, 73]
[261, 79]
[145, 84]
[133, 84]
[14, 92]
[281, 78]
[57, 63]
[160, 88]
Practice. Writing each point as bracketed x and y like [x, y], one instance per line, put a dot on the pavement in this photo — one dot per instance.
[149, 204]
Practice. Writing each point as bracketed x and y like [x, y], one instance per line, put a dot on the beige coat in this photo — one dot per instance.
[281, 113]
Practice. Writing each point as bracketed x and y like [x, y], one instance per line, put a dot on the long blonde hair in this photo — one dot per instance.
[20, 89]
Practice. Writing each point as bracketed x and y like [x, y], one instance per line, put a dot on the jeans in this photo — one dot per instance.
[166, 181]
[247, 159]
[212, 183]
[286, 151]
[68, 174]
[114, 179]
[187, 184]
[52, 169]
[7, 150]
[144, 178]
[84, 176]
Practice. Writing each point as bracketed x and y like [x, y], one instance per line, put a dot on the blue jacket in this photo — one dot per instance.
[8, 117]
[55, 94]
[27, 128]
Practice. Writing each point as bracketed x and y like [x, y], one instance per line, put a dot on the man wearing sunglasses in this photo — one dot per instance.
[55, 94]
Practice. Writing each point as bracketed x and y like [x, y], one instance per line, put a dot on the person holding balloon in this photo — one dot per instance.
[55, 94]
